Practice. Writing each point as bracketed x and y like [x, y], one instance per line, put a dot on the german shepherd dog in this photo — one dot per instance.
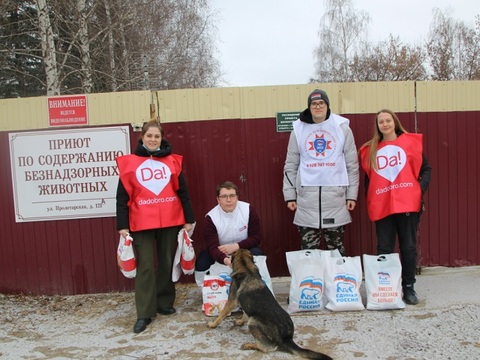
[269, 323]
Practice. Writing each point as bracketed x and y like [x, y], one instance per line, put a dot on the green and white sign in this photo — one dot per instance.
[285, 120]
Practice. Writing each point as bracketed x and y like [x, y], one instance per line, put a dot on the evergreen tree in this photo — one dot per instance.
[21, 66]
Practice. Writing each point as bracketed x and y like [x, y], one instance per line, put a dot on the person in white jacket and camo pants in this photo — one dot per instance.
[321, 174]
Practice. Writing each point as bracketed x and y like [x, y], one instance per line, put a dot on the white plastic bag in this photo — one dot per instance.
[307, 283]
[126, 257]
[261, 262]
[187, 257]
[383, 281]
[184, 260]
[343, 278]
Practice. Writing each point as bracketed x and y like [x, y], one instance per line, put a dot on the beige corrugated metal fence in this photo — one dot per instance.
[230, 133]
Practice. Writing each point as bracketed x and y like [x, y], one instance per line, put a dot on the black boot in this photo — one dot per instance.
[409, 295]
[141, 325]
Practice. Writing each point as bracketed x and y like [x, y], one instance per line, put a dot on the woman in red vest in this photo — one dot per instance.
[397, 174]
[152, 205]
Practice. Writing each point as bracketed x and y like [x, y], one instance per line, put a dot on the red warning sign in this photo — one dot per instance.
[67, 110]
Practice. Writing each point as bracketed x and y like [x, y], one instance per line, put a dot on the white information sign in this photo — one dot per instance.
[66, 174]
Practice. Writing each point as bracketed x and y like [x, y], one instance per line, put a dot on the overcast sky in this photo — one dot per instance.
[271, 42]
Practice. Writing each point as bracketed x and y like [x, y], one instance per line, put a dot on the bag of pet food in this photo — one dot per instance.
[215, 294]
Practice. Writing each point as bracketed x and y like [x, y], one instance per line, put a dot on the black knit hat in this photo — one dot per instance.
[318, 94]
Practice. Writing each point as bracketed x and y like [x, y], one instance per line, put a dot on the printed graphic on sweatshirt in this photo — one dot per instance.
[153, 175]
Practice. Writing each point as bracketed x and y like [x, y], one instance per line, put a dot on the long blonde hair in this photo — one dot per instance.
[378, 137]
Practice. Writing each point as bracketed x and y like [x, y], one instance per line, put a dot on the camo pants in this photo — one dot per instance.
[310, 238]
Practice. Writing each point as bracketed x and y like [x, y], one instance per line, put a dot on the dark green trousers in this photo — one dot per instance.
[155, 251]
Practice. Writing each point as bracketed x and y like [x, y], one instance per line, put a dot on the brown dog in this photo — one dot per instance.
[269, 323]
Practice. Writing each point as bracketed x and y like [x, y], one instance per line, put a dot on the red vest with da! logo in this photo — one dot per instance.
[394, 187]
[152, 185]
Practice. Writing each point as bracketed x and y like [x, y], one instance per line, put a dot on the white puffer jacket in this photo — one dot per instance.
[321, 207]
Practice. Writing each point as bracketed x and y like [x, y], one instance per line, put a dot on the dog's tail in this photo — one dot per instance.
[290, 346]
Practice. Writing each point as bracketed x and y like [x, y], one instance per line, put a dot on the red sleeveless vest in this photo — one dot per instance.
[394, 187]
[152, 185]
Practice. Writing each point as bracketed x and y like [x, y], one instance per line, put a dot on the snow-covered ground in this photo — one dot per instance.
[444, 325]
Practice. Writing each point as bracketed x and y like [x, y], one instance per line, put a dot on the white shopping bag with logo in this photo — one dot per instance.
[383, 281]
[307, 283]
[343, 278]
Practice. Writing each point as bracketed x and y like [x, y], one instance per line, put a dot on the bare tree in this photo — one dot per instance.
[84, 46]
[111, 45]
[100, 45]
[118, 47]
[48, 48]
[340, 34]
[440, 46]
[389, 61]
[183, 30]
[163, 44]
[453, 48]
[468, 56]
[21, 61]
